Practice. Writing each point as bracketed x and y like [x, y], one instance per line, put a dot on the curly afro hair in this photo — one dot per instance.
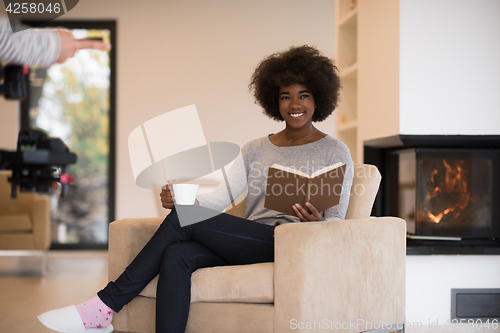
[304, 65]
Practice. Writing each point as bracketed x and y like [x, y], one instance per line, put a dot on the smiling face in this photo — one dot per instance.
[296, 104]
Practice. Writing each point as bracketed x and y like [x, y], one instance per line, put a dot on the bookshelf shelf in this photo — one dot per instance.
[346, 58]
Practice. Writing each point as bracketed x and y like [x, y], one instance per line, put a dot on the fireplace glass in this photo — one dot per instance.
[446, 192]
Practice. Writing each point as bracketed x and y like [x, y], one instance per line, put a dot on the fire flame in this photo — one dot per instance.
[455, 185]
[437, 219]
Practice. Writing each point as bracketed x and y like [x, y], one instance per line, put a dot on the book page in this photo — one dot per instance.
[326, 188]
[326, 169]
[291, 170]
[284, 189]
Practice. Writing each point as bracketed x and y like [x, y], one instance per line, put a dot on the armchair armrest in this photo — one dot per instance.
[127, 237]
[349, 273]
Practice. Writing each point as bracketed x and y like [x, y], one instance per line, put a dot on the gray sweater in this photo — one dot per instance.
[249, 171]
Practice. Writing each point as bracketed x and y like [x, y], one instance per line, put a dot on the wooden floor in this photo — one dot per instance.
[72, 277]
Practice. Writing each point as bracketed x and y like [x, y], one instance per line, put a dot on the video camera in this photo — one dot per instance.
[35, 163]
[14, 81]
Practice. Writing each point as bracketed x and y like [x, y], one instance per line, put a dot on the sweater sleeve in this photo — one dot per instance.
[221, 197]
[338, 212]
[28, 47]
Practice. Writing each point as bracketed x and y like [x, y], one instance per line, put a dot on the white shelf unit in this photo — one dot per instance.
[346, 59]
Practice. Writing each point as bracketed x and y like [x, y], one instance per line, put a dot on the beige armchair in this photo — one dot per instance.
[24, 221]
[347, 275]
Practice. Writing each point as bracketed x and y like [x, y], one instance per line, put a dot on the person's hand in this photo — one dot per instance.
[167, 200]
[305, 216]
[69, 45]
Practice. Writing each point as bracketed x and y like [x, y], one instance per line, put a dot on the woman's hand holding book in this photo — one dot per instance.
[305, 216]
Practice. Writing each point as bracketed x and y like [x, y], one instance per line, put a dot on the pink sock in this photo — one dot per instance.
[95, 313]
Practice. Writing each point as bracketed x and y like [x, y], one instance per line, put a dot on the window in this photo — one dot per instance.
[75, 101]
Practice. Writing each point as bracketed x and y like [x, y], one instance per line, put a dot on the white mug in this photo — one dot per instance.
[185, 194]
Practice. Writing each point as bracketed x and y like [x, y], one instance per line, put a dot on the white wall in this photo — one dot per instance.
[429, 280]
[175, 53]
[449, 84]
[449, 68]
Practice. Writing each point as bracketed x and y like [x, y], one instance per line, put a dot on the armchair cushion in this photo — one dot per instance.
[239, 284]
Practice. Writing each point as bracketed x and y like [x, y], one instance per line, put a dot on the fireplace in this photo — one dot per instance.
[447, 188]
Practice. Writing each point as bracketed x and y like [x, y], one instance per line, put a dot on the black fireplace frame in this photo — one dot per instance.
[374, 152]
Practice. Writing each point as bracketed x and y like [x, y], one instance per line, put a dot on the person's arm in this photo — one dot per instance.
[28, 47]
[42, 47]
[219, 198]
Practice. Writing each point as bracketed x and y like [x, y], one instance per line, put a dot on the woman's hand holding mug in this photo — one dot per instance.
[167, 200]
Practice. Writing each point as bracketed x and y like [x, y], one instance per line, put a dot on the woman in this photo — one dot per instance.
[299, 87]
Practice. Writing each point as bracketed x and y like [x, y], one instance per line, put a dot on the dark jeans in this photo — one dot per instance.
[175, 252]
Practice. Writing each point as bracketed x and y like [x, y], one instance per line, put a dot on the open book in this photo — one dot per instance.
[287, 186]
